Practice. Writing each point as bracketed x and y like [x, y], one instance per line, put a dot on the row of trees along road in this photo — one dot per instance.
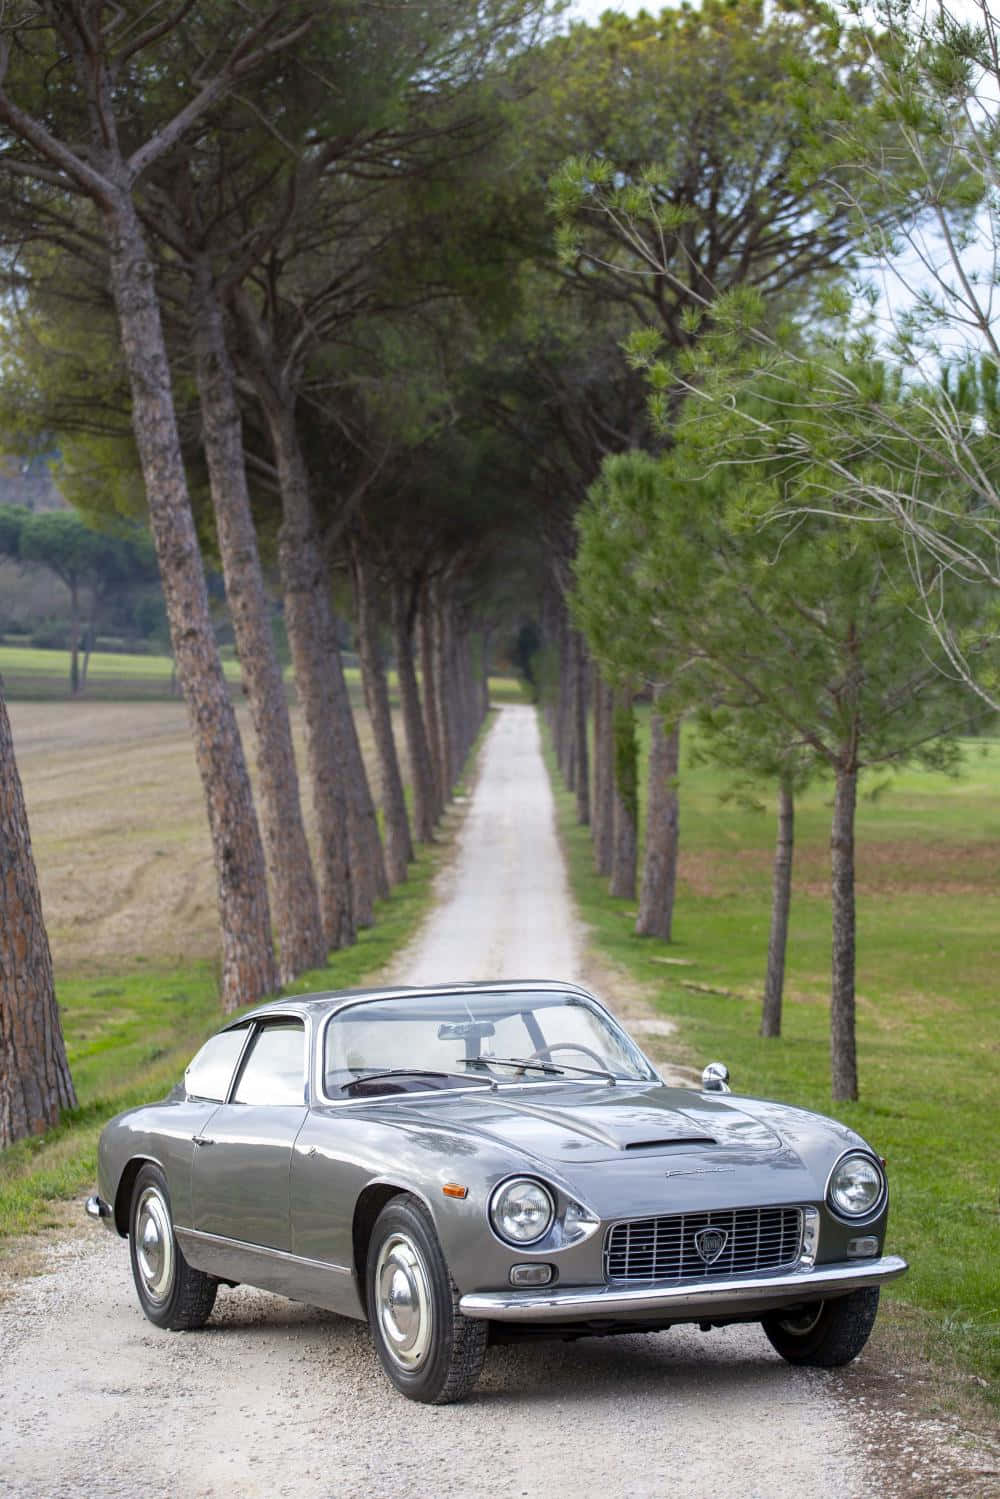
[250, 184]
[820, 499]
[315, 250]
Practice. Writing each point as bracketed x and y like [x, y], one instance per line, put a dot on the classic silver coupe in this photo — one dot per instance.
[476, 1162]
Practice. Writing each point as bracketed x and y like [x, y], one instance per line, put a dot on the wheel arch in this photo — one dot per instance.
[370, 1203]
[123, 1194]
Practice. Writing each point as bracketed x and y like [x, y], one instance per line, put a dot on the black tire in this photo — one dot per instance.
[826, 1334]
[427, 1348]
[171, 1294]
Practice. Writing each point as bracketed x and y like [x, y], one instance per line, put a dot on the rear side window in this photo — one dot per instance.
[211, 1071]
[275, 1069]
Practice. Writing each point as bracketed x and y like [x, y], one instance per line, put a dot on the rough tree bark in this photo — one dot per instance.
[843, 1054]
[309, 627]
[248, 967]
[580, 675]
[418, 751]
[74, 638]
[294, 894]
[444, 685]
[781, 900]
[398, 843]
[603, 810]
[35, 1082]
[624, 849]
[102, 172]
[659, 870]
[431, 696]
[368, 876]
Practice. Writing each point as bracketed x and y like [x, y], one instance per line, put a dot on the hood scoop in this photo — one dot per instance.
[671, 1141]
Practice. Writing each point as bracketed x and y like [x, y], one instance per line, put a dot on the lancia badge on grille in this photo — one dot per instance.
[710, 1242]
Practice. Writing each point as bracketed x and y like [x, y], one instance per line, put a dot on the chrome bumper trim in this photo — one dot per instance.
[96, 1207]
[684, 1299]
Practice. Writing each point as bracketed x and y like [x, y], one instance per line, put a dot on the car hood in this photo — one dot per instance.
[580, 1123]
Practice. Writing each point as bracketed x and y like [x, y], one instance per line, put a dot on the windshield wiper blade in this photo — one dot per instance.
[562, 1069]
[374, 1077]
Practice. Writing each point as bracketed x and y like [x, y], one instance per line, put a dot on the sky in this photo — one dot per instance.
[589, 10]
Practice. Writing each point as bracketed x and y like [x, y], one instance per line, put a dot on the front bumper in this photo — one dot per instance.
[687, 1301]
[96, 1207]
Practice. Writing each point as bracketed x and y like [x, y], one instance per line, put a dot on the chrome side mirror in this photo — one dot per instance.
[715, 1078]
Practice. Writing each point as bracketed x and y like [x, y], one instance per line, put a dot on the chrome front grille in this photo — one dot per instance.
[666, 1248]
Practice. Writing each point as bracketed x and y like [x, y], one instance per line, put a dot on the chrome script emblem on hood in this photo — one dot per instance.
[704, 1171]
[710, 1242]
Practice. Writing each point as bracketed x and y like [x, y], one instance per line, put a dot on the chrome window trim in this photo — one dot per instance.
[260, 1023]
[250, 1031]
[525, 986]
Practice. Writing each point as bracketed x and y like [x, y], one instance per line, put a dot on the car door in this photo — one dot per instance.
[242, 1159]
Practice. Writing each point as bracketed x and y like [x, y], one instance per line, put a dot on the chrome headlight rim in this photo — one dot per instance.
[844, 1214]
[505, 1186]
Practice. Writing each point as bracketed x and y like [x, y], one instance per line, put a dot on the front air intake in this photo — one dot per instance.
[671, 1143]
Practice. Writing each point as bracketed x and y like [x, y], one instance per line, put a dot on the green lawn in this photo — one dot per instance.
[929, 1039]
[129, 1039]
[30, 672]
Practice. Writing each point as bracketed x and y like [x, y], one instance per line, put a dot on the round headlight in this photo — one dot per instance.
[521, 1211]
[856, 1186]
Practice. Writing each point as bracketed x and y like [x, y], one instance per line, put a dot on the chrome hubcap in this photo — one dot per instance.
[403, 1300]
[154, 1245]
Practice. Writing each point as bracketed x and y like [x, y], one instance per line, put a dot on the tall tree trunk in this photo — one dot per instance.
[624, 850]
[74, 637]
[418, 751]
[781, 901]
[309, 627]
[368, 876]
[431, 696]
[581, 675]
[35, 1082]
[444, 687]
[659, 870]
[248, 966]
[89, 636]
[843, 1053]
[603, 810]
[398, 844]
[294, 894]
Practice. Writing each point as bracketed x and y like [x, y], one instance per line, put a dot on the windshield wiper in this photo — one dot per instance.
[541, 1066]
[375, 1077]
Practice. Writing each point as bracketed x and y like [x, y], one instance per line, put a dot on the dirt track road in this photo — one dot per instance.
[275, 1399]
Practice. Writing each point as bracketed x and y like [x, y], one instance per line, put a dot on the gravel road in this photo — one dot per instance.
[274, 1399]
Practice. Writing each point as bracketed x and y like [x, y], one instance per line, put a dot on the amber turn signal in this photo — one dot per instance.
[455, 1189]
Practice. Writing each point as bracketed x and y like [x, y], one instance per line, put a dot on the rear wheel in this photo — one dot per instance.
[171, 1294]
[428, 1349]
[825, 1334]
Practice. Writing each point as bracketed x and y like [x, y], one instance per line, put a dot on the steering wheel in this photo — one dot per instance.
[546, 1051]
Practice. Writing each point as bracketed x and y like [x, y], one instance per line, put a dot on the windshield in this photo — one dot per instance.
[455, 1040]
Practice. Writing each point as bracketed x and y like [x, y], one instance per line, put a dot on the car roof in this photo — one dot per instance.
[336, 999]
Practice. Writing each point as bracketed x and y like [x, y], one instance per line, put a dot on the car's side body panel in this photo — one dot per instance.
[240, 1174]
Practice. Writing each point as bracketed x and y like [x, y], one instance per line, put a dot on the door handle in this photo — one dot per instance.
[202, 1140]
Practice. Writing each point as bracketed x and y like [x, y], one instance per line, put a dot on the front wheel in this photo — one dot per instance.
[825, 1334]
[428, 1349]
[170, 1293]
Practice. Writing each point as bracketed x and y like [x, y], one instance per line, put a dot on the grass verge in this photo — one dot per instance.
[129, 1038]
[927, 1031]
